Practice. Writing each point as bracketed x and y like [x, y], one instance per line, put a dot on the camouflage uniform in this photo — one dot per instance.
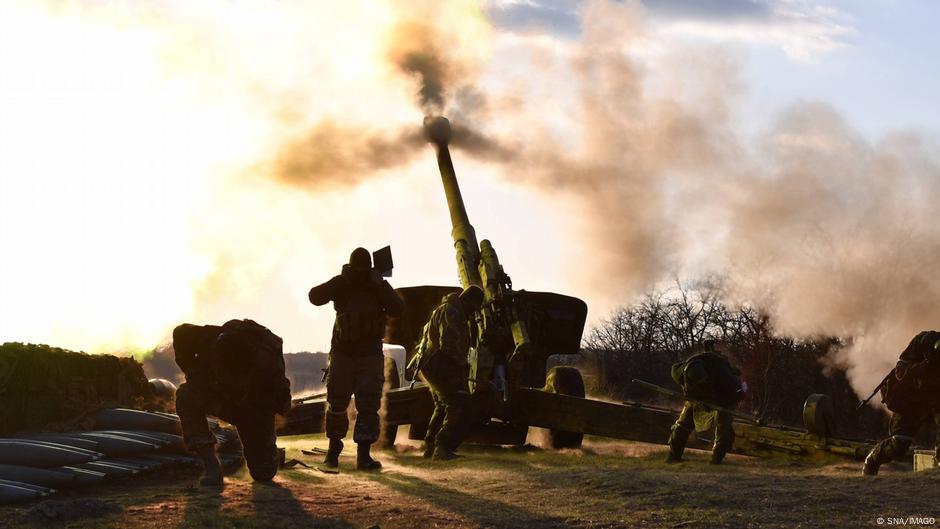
[914, 397]
[698, 380]
[362, 301]
[445, 368]
[246, 392]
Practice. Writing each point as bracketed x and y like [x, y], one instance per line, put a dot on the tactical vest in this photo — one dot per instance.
[360, 318]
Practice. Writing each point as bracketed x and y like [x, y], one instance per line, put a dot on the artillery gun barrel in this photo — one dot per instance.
[437, 131]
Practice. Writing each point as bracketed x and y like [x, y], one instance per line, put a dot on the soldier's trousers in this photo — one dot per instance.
[450, 420]
[902, 430]
[360, 375]
[195, 403]
[724, 431]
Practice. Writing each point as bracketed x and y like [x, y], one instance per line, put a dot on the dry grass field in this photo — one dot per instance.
[607, 484]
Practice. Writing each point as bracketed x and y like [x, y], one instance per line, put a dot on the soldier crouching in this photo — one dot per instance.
[234, 372]
[912, 392]
[708, 378]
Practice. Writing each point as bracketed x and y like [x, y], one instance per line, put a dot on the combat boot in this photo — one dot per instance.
[675, 453]
[871, 465]
[428, 450]
[717, 458]
[332, 453]
[676, 443]
[364, 460]
[444, 454]
[212, 474]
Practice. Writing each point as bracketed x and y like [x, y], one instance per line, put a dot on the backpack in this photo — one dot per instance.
[247, 347]
[430, 342]
[722, 377]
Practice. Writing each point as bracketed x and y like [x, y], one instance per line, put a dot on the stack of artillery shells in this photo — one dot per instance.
[125, 443]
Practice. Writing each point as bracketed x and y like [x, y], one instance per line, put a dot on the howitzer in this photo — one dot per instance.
[515, 332]
[678, 395]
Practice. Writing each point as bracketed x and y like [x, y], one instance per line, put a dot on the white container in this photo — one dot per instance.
[924, 460]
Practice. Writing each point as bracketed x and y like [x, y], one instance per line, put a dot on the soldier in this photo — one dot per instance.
[912, 392]
[362, 300]
[444, 365]
[707, 377]
[234, 372]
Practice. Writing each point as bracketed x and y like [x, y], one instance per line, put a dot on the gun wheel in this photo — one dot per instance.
[818, 415]
[564, 380]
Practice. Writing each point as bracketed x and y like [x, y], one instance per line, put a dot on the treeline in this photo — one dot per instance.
[643, 340]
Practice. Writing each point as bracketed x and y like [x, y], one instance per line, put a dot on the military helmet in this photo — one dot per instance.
[163, 388]
[360, 258]
[472, 297]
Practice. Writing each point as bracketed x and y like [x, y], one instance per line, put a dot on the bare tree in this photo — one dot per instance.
[665, 326]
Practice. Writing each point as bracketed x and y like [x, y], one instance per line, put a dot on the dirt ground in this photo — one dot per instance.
[604, 485]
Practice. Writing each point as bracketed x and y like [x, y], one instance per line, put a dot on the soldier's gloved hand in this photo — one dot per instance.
[376, 276]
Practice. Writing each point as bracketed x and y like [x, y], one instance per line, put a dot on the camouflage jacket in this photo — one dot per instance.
[446, 336]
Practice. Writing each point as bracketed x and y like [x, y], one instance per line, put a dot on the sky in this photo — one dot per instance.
[142, 148]
[871, 59]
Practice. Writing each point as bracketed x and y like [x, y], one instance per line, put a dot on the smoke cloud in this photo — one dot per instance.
[416, 49]
[440, 69]
[833, 233]
[332, 155]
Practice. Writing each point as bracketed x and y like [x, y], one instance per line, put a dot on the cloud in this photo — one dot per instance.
[558, 17]
[802, 28]
[719, 10]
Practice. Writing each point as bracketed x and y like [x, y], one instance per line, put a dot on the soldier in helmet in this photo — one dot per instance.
[164, 396]
[362, 300]
[234, 372]
[707, 377]
[444, 365]
[912, 392]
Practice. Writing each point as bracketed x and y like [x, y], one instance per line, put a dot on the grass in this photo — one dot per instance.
[605, 485]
